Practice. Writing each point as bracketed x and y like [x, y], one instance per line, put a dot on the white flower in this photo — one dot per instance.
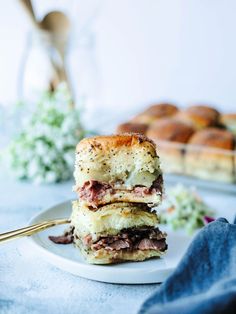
[59, 143]
[66, 126]
[46, 160]
[33, 168]
[43, 151]
[40, 148]
[50, 177]
[69, 158]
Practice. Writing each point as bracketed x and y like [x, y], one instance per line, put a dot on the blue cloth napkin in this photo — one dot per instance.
[205, 279]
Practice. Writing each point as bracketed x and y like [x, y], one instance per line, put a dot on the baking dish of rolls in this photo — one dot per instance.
[197, 141]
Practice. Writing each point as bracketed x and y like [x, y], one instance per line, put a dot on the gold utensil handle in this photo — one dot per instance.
[27, 231]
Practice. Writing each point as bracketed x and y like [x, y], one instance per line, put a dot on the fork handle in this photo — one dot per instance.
[28, 231]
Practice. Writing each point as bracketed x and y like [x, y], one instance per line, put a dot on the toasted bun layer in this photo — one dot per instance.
[110, 219]
[120, 160]
[103, 256]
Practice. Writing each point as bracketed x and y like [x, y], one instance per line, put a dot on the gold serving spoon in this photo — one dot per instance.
[28, 231]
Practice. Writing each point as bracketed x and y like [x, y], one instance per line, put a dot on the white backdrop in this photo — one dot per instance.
[180, 50]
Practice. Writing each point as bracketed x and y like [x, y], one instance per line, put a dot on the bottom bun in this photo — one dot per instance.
[104, 256]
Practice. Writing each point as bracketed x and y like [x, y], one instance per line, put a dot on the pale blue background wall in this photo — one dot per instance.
[182, 50]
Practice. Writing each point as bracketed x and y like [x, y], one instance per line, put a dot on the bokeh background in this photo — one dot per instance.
[115, 59]
[142, 51]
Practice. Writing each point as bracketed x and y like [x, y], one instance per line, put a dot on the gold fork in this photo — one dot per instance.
[28, 231]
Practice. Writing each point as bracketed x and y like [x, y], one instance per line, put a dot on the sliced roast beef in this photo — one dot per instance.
[119, 245]
[150, 244]
[141, 191]
[66, 238]
[158, 184]
[131, 239]
[155, 188]
[93, 191]
[145, 238]
[63, 239]
[87, 240]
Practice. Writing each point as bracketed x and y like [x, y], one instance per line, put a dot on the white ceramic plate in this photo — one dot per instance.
[68, 258]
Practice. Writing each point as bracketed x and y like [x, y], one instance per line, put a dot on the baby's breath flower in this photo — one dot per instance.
[44, 150]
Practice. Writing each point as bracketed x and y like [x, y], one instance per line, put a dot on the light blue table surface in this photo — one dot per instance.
[28, 284]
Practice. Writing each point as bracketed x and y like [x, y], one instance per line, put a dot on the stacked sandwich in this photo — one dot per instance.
[118, 182]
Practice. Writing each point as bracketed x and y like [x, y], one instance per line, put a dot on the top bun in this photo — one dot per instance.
[108, 142]
[115, 159]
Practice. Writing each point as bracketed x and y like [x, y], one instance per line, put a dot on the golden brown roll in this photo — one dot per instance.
[210, 155]
[118, 168]
[229, 121]
[170, 130]
[213, 137]
[156, 112]
[205, 110]
[132, 127]
[162, 110]
[199, 117]
[169, 133]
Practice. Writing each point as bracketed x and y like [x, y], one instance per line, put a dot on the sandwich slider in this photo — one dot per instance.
[117, 232]
[118, 181]
[118, 168]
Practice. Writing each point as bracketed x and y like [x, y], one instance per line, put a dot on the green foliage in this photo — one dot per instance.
[44, 149]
